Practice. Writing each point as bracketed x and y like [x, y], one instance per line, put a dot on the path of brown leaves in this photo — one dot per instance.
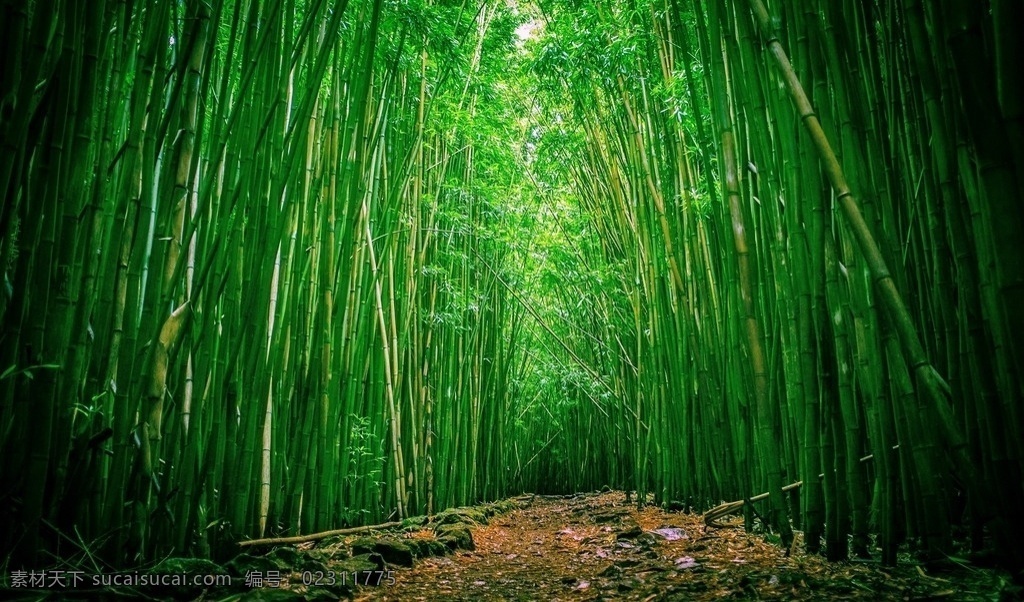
[598, 547]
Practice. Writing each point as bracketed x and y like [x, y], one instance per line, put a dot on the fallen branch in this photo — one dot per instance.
[269, 541]
[732, 507]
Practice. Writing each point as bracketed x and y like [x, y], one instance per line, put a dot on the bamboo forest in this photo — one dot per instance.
[512, 299]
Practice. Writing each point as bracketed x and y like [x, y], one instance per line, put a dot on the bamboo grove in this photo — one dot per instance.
[273, 267]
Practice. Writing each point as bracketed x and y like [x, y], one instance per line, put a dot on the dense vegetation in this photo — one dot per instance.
[283, 266]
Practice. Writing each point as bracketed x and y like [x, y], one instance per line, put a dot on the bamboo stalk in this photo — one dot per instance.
[928, 378]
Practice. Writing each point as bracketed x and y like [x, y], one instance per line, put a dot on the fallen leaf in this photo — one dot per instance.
[671, 533]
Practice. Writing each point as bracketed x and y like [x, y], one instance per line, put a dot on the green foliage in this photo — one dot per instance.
[377, 258]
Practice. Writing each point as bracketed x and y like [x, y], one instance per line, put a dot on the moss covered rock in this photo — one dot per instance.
[468, 516]
[427, 548]
[455, 536]
[391, 550]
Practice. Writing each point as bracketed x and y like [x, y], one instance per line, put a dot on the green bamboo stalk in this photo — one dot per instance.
[928, 379]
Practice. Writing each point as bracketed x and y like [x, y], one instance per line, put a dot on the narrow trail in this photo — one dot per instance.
[598, 547]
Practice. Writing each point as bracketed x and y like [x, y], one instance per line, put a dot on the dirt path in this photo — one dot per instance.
[597, 547]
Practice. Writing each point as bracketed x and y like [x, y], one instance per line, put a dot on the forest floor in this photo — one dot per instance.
[584, 547]
[598, 547]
